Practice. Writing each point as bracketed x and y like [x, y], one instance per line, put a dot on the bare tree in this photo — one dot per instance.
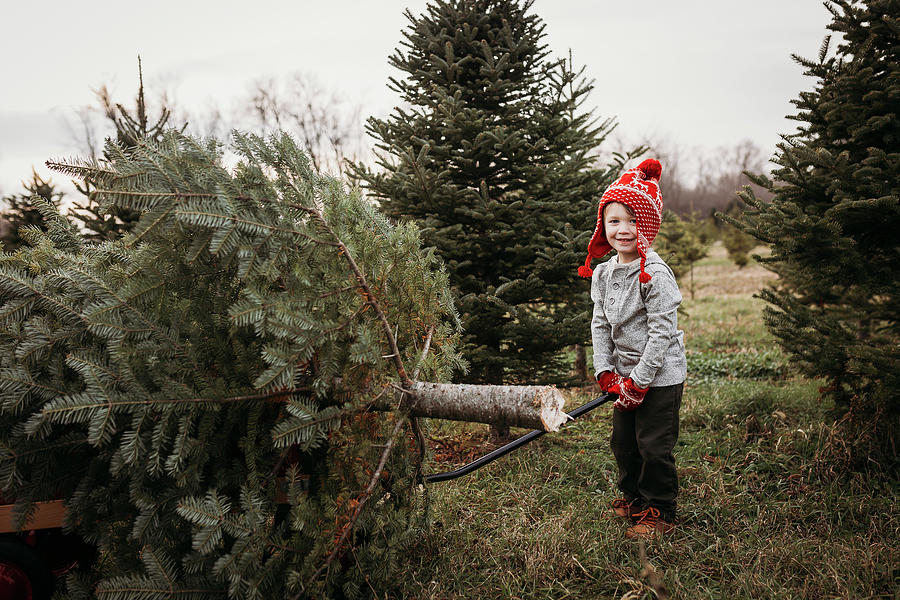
[92, 124]
[84, 130]
[674, 186]
[699, 181]
[326, 123]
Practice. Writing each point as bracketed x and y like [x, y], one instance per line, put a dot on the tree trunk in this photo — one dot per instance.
[529, 406]
[581, 364]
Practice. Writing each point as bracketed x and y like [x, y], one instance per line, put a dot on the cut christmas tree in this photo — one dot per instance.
[224, 397]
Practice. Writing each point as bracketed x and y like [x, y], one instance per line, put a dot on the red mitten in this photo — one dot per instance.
[608, 379]
[630, 395]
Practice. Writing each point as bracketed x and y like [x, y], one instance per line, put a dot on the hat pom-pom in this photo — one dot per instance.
[651, 169]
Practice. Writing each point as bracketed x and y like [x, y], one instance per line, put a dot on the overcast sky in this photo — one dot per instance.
[697, 74]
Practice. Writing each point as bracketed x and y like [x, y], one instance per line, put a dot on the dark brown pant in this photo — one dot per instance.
[642, 442]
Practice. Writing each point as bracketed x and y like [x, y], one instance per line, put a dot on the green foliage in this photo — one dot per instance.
[832, 223]
[708, 366]
[737, 242]
[25, 211]
[681, 242]
[103, 220]
[494, 158]
[169, 384]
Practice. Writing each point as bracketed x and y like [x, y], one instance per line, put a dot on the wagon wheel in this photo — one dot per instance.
[22, 573]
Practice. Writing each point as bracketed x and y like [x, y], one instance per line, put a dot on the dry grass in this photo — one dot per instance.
[716, 276]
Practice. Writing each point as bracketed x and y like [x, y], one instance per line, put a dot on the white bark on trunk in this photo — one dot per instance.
[530, 406]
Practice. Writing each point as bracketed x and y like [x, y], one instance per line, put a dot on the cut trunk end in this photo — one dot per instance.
[528, 406]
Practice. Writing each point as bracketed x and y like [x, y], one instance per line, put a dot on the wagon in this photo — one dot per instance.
[33, 559]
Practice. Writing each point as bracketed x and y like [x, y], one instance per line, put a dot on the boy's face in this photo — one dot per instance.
[620, 228]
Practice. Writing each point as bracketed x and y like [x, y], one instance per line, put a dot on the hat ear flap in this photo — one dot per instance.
[643, 245]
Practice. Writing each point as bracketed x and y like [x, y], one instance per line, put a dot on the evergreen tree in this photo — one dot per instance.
[681, 243]
[106, 222]
[737, 243]
[493, 157]
[833, 221]
[200, 392]
[23, 211]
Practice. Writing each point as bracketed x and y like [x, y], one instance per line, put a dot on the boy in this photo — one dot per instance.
[638, 349]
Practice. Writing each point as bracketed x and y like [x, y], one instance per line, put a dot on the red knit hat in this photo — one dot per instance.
[638, 189]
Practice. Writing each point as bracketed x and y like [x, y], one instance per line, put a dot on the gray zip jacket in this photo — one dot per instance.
[635, 326]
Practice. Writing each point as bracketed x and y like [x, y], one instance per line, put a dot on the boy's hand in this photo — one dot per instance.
[630, 395]
[608, 379]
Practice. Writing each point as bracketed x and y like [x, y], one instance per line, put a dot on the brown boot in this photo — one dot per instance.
[649, 525]
[625, 509]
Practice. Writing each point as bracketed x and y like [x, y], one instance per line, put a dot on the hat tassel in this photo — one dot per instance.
[644, 277]
[585, 269]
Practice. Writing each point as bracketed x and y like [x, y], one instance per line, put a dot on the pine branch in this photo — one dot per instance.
[349, 288]
[21, 283]
[233, 219]
[80, 168]
[364, 497]
[126, 303]
[147, 588]
[44, 447]
[370, 297]
[214, 523]
[4, 376]
[149, 227]
[151, 154]
[163, 402]
[283, 433]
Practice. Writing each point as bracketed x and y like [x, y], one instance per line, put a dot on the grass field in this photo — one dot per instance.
[760, 514]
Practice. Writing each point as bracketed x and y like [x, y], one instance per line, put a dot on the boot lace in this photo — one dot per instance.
[649, 515]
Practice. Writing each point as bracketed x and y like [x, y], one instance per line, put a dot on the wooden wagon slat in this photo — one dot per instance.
[47, 515]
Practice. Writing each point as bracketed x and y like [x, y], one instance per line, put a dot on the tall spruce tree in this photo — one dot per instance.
[833, 221]
[200, 391]
[493, 156]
